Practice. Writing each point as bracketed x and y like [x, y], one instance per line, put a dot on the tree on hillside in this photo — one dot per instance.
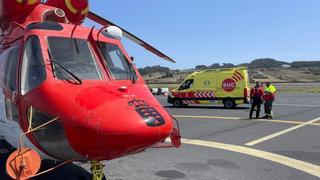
[153, 69]
[297, 64]
[266, 63]
[227, 65]
[243, 65]
[201, 67]
[214, 66]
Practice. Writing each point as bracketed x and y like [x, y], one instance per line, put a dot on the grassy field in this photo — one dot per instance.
[298, 87]
[281, 87]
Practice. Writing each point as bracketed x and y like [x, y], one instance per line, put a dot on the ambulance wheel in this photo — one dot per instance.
[177, 103]
[229, 104]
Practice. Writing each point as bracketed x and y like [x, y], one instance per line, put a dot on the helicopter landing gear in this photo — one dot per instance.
[97, 170]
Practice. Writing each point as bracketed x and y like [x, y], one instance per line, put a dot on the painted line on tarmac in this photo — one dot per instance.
[207, 117]
[298, 105]
[280, 159]
[260, 140]
[285, 121]
[239, 118]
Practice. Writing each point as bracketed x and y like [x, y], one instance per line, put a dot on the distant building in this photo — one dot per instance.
[286, 66]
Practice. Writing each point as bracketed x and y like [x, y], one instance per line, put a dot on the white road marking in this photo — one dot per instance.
[207, 117]
[246, 119]
[280, 159]
[285, 121]
[260, 140]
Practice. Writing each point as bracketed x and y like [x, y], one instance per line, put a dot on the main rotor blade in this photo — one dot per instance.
[98, 19]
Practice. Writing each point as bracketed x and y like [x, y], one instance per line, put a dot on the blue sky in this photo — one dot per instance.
[217, 31]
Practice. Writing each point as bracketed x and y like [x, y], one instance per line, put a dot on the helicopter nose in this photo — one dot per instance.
[121, 127]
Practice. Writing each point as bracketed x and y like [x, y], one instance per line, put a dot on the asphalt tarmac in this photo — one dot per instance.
[221, 144]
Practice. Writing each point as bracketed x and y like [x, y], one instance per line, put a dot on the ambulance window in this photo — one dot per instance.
[33, 70]
[8, 68]
[186, 85]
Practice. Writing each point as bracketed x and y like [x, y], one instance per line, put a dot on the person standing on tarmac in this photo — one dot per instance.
[269, 97]
[256, 95]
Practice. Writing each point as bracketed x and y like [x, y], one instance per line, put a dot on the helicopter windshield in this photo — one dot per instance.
[74, 56]
[116, 62]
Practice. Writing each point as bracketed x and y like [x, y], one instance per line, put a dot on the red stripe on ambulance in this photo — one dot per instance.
[239, 74]
[208, 94]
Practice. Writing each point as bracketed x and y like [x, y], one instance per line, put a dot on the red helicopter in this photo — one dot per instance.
[71, 92]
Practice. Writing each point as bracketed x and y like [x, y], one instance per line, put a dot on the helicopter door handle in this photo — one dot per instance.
[123, 89]
[14, 97]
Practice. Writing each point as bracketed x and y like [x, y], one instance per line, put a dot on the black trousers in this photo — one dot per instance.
[255, 103]
[268, 107]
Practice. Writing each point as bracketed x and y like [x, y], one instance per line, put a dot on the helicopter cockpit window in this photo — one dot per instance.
[33, 70]
[73, 56]
[116, 62]
[186, 85]
[46, 25]
[8, 68]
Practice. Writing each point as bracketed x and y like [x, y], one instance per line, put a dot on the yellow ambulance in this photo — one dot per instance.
[227, 86]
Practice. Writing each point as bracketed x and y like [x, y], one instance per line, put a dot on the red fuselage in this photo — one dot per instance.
[103, 112]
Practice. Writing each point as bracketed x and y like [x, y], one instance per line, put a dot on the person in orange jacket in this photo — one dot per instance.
[256, 95]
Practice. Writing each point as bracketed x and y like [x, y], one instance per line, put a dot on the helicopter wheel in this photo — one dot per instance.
[103, 178]
[97, 171]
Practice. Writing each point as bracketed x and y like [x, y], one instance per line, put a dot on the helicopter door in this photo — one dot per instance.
[9, 128]
[32, 69]
[32, 75]
[50, 138]
[8, 73]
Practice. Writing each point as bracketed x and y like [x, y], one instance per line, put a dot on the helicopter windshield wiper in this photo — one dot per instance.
[66, 70]
[132, 75]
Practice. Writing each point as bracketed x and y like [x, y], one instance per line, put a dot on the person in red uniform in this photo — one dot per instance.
[256, 95]
[269, 97]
